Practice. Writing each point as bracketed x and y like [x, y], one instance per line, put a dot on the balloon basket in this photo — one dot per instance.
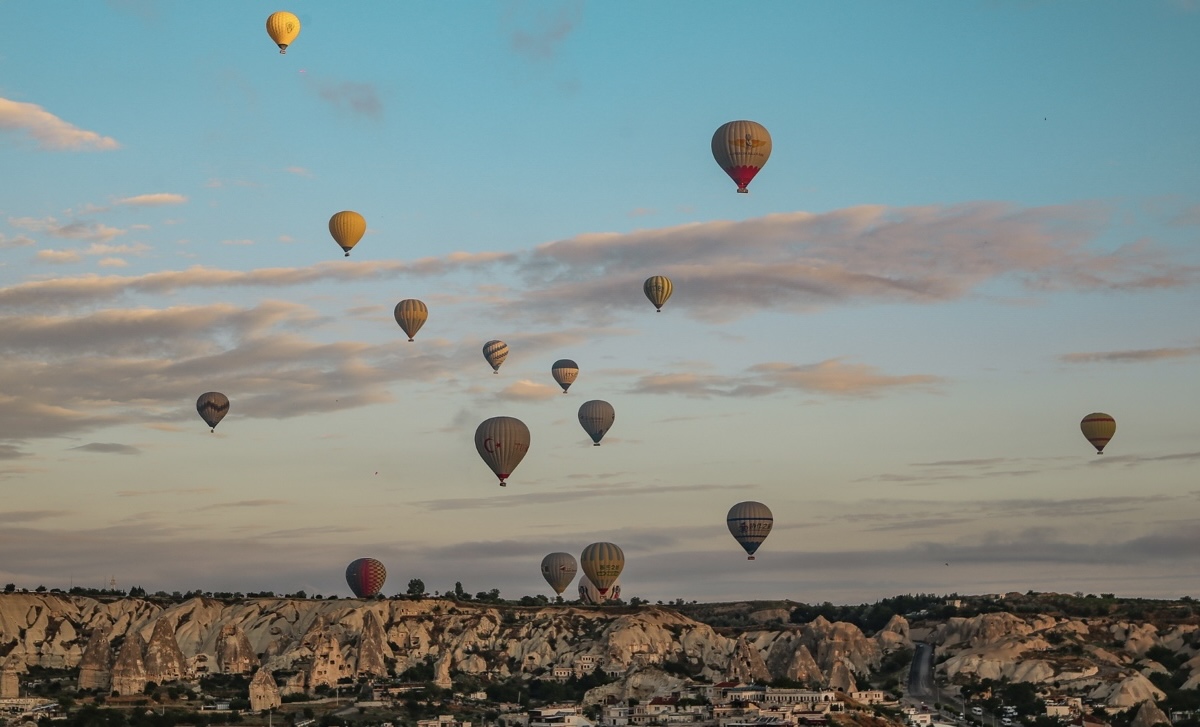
[750, 558]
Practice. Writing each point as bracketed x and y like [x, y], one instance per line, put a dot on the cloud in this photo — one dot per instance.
[158, 199]
[108, 449]
[609, 489]
[832, 377]
[18, 241]
[237, 242]
[526, 390]
[49, 131]
[58, 256]
[359, 98]
[29, 516]
[112, 262]
[1190, 216]
[1131, 355]
[299, 172]
[245, 503]
[549, 29]
[79, 230]
[170, 492]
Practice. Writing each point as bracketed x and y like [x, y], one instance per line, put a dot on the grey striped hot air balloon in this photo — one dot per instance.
[212, 407]
[658, 288]
[502, 443]
[596, 417]
[591, 596]
[559, 570]
[411, 314]
[750, 523]
[495, 352]
[602, 563]
[564, 372]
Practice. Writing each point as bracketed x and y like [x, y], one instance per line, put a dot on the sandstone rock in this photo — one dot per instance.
[803, 668]
[328, 664]
[264, 693]
[164, 661]
[10, 676]
[1130, 691]
[768, 615]
[234, 653]
[373, 650]
[894, 636]
[1149, 715]
[841, 678]
[748, 665]
[95, 666]
[129, 670]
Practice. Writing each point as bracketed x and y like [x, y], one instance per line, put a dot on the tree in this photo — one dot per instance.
[416, 588]
[459, 593]
[10, 587]
[40, 589]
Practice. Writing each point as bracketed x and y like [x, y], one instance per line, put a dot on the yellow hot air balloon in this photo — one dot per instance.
[602, 563]
[741, 148]
[347, 228]
[658, 288]
[411, 314]
[1098, 428]
[283, 27]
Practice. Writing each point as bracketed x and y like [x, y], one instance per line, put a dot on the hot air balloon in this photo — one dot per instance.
[411, 314]
[590, 595]
[602, 563]
[559, 570]
[564, 372]
[347, 228]
[283, 27]
[750, 524]
[1098, 428]
[502, 442]
[212, 407]
[495, 352]
[741, 148]
[596, 417]
[365, 577]
[658, 288]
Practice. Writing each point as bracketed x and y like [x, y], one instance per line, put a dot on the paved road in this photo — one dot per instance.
[920, 674]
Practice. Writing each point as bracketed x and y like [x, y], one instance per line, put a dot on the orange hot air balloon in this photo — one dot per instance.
[347, 228]
[741, 148]
[1098, 428]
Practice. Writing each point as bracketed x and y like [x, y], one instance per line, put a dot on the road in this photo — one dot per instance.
[920, 674]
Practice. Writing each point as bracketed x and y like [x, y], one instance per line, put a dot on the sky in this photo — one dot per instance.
[979, 223]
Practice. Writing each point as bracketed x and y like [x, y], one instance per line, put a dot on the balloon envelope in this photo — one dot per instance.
[589, 594]
[750, 523]
[1098, 428]
[559, 570]
[365, 577]
[602, 563]
[283, 27]
[212, 407]
[658, 288]
[741, 148]
[495, 352]
[411, 314]
[564, 372]
[502, 443]
[596, 417]
[347, 228]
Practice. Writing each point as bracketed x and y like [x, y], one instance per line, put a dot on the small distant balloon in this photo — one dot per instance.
[347, 228]
[741, 148]
[564, 371]
[596, 417]
[559, 570]
[749, 523]
[365, 577]
[212, 407]
[1098, 428]
[658, 289]
[495, 352]
[411, 314]
[283, 27]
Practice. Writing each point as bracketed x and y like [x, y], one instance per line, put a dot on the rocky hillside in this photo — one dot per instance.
[123, 643]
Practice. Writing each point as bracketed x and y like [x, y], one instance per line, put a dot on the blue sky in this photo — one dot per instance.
[979, 223]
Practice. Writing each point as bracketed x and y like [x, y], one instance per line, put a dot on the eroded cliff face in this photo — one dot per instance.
[305, 643]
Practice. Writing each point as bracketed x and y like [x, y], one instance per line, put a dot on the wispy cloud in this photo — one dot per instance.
[167, 492]
[299, 172]
[544, 30]
[48, 131]
[58, 256]
[1131, 355]
[832, 377]
[244, 503]
[359, 98]
[526, 390]
[107, 448]
[18, 241]
[158, 199]
[609, 489]
[78, 230]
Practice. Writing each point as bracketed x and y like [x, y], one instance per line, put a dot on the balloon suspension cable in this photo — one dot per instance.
[410, 340]
[658, 310]
[495, 371]
[347, 253]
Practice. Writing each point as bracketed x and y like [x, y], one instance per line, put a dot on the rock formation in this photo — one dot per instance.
[234, 653]
[373, 649]
[95, 667]
[10, 676]
[1149, 715]
[164, 660]
[264, 693]
[328, 664]
[129, 670]
[842, 679]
